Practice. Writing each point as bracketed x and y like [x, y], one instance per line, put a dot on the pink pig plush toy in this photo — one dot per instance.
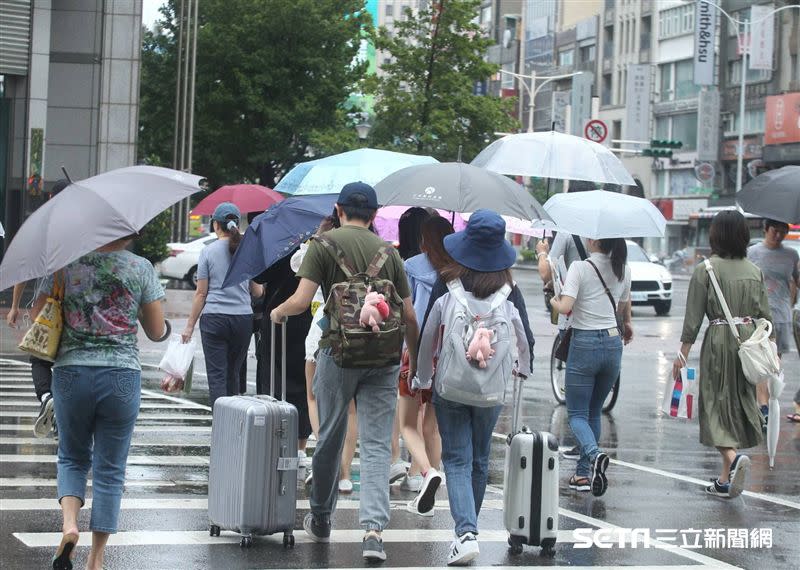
[480, 348]
[374, 311]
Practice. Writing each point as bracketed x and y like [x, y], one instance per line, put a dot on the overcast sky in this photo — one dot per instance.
[150, 11]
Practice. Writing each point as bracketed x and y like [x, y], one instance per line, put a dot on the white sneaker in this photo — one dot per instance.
[427, 493]
[397, 471]
[345, 486]
[303, 465]
[47, 414]
[413, 507]
[411, 483]
[463, 550]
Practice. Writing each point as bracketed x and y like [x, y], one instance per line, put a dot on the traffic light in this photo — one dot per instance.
[661, 148]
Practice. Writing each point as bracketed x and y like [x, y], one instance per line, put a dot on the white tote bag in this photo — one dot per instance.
[758, 354]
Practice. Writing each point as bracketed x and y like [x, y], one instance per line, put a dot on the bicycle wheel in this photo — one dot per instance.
[611, 399]
[558, 372]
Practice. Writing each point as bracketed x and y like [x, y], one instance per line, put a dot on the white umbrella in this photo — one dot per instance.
[89, 214]
[553, 155]
[600, 214]
[775, 386]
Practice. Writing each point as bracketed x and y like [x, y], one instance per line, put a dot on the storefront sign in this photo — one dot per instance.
[561, 100]
[682, 209]
[762, 36]
[581, 101]
[783, 119]
[637, 107]
[708, 125]
[705, 27]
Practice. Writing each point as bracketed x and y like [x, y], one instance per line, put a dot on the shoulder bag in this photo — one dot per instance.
[44, 336]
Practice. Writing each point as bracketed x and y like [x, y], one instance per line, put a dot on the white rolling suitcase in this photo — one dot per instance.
[252, 479]
[530, 493]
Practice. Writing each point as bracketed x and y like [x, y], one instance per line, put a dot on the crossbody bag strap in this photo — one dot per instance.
[603, 281]
[338, 255]
[580, 248]
[722, 301]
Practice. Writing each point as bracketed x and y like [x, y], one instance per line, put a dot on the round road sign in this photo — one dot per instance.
[596, 130]
[705, 172]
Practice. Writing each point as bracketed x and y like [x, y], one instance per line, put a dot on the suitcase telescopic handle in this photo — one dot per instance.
[272, 361]
[517, 404]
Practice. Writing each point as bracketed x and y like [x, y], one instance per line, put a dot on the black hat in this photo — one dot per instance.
[350, 192]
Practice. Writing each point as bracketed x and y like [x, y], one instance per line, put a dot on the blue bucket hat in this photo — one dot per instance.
[482, 246]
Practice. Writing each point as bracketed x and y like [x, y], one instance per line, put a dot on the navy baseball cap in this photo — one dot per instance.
[347, 197]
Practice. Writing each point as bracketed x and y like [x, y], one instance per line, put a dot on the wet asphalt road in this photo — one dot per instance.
[656, 479]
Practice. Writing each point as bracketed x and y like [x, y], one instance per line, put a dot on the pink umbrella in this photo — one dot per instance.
[389, 216]
[246, 197]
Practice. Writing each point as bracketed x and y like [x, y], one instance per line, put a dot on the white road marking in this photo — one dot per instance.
[159, 417]
[145, 405]
[161, 460]
[135, 442]
[163, 428]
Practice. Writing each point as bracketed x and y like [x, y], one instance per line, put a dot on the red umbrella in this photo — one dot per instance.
[247, 197]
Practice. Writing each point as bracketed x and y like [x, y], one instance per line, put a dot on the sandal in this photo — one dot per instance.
[795, 417]
[580, 483]
[62, 560]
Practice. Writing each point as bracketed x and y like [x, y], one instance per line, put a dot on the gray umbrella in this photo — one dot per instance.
[774, 194]
[89, 214]
[458, 187]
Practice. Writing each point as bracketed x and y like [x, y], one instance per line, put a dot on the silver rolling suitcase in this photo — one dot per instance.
[252, 478]
[530, 494]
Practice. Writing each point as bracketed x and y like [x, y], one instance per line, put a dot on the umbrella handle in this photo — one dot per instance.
[66, 174]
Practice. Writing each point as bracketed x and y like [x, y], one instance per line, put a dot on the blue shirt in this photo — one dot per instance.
[213, 265]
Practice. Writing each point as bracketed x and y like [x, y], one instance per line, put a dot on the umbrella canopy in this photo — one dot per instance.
[246, 197]
[274, 234]
[388, 218]
[774, 194]
[599, 214]
[89, 214]
[537, 228]
[553, 155]
[328, 175]
[458, 187]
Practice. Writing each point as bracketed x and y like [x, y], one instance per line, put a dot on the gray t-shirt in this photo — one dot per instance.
[564, 245]
[779, 267]
[213, 265]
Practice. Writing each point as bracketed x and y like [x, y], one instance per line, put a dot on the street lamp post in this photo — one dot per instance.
[533, 90]
[742, 36]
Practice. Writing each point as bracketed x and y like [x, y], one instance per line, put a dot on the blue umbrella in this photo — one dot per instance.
[276, 233]
[328, 175]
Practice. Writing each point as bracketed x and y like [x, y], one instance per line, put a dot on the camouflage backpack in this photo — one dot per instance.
[352, 344]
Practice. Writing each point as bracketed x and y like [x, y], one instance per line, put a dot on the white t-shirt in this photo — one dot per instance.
[592, 309]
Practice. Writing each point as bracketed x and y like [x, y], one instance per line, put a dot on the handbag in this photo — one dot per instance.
[758, 354]
[44, 335]
[680, 398]
[562, 352]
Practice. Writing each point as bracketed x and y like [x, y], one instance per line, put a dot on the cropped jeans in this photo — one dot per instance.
[96, 409]
[593, 366]
[466, 433]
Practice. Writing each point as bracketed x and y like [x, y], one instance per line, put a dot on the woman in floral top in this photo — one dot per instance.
[97, 383]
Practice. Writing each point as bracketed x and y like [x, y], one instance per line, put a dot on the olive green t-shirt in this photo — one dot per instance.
[360, 246]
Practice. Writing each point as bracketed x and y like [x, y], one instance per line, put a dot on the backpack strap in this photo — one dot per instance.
[378, 261]
[456, 289]
[337, 253]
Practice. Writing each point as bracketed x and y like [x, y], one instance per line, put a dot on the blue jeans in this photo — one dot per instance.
[375, 390]
[592, 368]
[466, 442]
[96, 408]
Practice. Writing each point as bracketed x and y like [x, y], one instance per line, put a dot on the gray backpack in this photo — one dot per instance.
[459, 379]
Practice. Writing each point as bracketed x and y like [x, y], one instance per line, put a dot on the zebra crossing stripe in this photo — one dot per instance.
[160, 428]
[159, 417]
[134, 443]
[160, 460]
[146, 405]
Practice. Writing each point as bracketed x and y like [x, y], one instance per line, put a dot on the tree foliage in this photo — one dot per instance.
[425, 102]
[269, 74]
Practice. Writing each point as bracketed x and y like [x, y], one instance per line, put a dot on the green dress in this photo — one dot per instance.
[729, 414]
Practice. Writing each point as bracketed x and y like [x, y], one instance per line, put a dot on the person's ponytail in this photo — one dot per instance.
[230, 227]
[618, 250]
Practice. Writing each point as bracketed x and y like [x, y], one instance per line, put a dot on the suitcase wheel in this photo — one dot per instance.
[516, 545]
[247, 542]
[214, 530]
[288, 541]
[548, 548]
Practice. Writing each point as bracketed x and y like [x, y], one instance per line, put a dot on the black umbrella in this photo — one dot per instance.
[774, 195]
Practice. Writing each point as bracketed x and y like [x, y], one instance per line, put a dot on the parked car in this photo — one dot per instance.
[182, 260]
[651, 283]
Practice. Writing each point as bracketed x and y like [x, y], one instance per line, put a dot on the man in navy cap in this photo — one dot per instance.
[374, 388]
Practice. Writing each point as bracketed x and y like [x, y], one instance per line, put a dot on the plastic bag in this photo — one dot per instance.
[178, 357]
[680, 398]
[171, 383]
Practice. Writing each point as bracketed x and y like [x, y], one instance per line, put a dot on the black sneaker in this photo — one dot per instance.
[598, 480]
[718, 489]
[372, 548]
[318, 530]
[574, 453]
[47, 417]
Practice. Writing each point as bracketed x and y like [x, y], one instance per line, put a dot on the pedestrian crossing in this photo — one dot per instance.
[163, 513]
